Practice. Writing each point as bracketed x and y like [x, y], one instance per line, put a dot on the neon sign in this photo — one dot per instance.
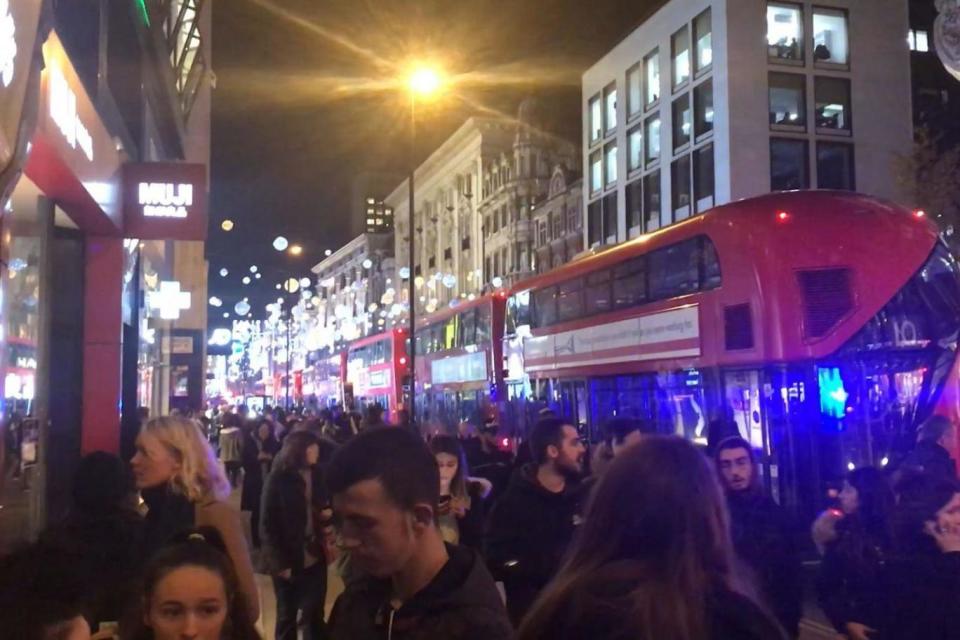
[63, 110]
[164, 200]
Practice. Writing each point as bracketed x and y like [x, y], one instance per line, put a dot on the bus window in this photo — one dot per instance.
[675, 270]
[545, 304]
[630, 283]
[597, 294]
[484, 325]
[449, 336]
[570, 300]
[468, 328]
[711, 265]
[518, 312]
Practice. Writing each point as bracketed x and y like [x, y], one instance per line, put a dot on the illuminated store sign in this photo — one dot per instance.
[162, 200]
[169, 301]
[63, 111]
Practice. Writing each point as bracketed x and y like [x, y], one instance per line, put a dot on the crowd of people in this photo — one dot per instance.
[452, 536]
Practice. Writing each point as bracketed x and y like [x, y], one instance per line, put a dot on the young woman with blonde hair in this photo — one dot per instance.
[184, 487]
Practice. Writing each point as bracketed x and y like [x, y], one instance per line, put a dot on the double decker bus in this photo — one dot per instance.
[376, 370]
[459, 361]
[324, 375]
[824, 324]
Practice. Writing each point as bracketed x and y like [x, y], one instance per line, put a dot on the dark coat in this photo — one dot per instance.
[283, 520]
[765, 541]
[850, 583]
[602, 615]
[460, 603]
[528, 533]
[923, 597]
[255, 470]
[931, 459]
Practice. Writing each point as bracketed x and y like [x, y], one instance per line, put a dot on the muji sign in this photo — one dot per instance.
[165, 201]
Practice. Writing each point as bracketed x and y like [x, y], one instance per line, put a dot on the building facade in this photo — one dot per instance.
[558, 221]
[710, 101]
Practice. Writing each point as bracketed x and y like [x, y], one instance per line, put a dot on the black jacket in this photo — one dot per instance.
[603, 616]
[460, 603]
[923, 597]
[283, 520]
[850, 585]
[168, 514]
[931, 459]
[255, 470]
[528, 533]
[764, 540]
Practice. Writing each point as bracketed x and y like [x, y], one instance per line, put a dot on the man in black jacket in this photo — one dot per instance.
[931, 456]
[385, 486]
[533, 522]
[761, 533]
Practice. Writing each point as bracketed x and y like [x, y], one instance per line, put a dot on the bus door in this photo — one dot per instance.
[573, 403]
[742, 399]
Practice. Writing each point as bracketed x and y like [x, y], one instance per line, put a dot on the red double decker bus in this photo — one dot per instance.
[375, 372]
[459, 361]
[323, 378]
[824, 324]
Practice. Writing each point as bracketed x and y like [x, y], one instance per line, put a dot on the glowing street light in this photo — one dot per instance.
[295, 250]
[227, 225]
[424, 81]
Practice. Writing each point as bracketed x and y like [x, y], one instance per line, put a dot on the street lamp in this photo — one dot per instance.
[295, 250]
[424, 82]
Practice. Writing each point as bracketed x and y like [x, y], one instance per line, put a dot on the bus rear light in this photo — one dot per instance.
[403, 360]
[919, 213]
[783, 216]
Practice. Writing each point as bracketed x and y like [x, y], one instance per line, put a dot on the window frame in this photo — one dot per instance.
[851, 159]
[695, 167]
[806, 158]
[648, 161]
[846, 131]
[698, 90]
[652, 178]
[675, 85]
[801, 41]
[591, 163]
[631, 168]
[676, 120]
[598, 100]
[676, 170]
[609, 183]
[840, 66]
[634, 111]
[654, 56]
[803, 119]
[697, 71]
[608, 128]
[634, 187]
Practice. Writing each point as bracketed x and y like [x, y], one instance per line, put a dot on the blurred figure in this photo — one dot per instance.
[259, 448]
[293, 550]
[653, 560]
[385, 486]
[923, 576]
[461, 506]
[849, 586]
[532, 524]
[190, 591]
[489, 451]
[102, 533]
[619, 433]
[184, 487]
[42, 596]
[936, 438]
[373, 417]
[231, 445]
[761, 534]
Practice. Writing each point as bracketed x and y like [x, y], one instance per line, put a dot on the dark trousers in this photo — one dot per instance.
[306, 592]
[233, 467]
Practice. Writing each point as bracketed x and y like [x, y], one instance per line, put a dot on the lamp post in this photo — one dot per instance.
[423, 82]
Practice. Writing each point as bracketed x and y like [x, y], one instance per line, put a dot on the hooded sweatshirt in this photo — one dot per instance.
[460, 603]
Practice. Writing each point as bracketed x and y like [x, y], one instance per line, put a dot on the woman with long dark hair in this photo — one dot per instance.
[461, 507]
[190, 589]
[849, 586]
[292, 536]
[259, 448]
[653, 560]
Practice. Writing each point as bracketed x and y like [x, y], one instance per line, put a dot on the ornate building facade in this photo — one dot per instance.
[558, 221]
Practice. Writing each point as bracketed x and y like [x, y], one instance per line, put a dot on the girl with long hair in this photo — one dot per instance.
[653, 559]
[460, 510]
[190, 590]
[183, 486]
[260, 447]
[849, 585]
[291, 532]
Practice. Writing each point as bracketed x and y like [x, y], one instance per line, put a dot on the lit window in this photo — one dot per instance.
[703, 42]
[918, 40]
[832, 98]
[596, 119]
[651, 131]
[610, 160]
[680, 51]
[835, 169]
[651, 66]
[596, 172]
[787, 99]
[369, 200]
[370, 211]
[369, 220]
[830, 36]
[681, 121]
[634, 95]
[703, 178]
[788, 164]
[784, 31]
[635, 148]
[610, 108]
[703, 108]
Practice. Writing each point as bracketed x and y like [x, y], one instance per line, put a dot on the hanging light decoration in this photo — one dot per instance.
[280, 243]
[449, 281]
[242, 308]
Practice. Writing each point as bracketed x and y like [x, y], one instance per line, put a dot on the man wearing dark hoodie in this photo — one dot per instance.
[762, 536]
[412, 586]
[534, 521]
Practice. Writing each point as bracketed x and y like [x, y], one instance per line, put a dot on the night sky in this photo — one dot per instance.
[304, 101]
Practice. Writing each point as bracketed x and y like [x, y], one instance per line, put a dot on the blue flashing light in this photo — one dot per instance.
[833, 396]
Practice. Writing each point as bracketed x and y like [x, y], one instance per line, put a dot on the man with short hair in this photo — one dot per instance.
[762, 535]
[386, 486]
[931, 456]
[532, 524]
